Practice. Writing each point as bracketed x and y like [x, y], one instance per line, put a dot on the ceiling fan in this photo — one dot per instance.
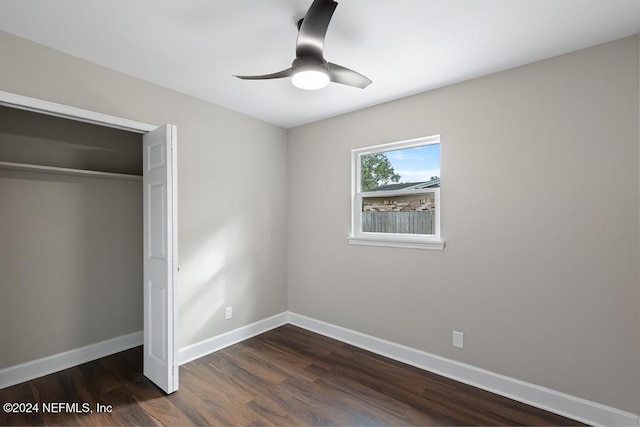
[310, 70]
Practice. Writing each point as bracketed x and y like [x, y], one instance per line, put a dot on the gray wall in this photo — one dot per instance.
[540, 198]
[231, 237]
[71, 263]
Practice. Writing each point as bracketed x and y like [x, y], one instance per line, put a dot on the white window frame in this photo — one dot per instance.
[398, 240]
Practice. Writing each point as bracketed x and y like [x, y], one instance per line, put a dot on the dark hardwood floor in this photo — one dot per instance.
[285, 377]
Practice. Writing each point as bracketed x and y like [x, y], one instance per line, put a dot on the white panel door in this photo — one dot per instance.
[160, 258]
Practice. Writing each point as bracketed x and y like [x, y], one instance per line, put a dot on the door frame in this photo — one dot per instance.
[22, 102]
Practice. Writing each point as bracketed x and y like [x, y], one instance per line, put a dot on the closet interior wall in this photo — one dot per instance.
[70, 245]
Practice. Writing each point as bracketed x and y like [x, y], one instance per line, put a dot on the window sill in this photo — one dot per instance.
[436, 245]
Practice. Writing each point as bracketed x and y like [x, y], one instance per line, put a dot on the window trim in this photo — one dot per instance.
[396, 240]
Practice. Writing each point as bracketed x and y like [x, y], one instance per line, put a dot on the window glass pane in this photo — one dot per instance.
[399, 193]
[407, 214]
[406, 168]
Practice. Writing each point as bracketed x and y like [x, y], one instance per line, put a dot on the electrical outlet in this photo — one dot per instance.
[458, 339]
[228, 313]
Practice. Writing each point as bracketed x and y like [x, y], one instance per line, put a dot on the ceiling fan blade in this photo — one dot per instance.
[313, 29]
[345, 76]
[278, 75]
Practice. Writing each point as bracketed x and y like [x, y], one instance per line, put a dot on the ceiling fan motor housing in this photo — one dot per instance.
[309, 62]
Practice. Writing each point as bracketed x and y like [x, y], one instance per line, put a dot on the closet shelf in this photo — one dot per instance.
[68, 171]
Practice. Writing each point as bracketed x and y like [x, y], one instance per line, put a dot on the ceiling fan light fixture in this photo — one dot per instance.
[310, 77]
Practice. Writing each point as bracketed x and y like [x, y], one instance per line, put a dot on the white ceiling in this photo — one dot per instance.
[404, 46]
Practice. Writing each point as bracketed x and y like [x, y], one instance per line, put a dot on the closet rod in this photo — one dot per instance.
[68, 171]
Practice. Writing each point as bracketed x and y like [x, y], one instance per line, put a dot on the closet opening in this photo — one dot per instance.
[73, 226]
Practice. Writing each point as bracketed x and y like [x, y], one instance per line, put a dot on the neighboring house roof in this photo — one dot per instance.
[409, 185]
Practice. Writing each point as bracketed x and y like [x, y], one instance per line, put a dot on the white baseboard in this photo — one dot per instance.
[544, 398]
[208, 346]
[48, 365]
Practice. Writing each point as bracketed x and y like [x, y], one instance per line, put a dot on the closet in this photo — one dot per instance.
[71, 235]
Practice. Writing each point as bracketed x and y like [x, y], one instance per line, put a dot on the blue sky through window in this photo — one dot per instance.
[416, 164]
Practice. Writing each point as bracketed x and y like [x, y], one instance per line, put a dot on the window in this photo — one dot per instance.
[396, 194]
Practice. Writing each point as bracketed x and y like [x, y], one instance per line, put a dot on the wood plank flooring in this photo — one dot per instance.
[285, 377]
